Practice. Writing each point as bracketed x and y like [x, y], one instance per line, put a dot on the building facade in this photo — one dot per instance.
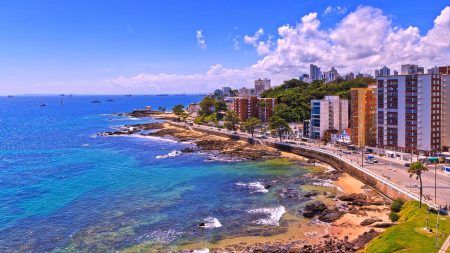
[261, 85]
[328, 113]
[314, 72]
[445, 122]
[409, 112]
[253, 106]
[363, 113]
[330, 76]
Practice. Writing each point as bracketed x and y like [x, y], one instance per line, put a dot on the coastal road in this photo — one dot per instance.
[391, 169]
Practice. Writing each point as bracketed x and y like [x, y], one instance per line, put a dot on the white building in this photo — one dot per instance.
[329, 113]
[409, 112]
[409, 69]
[384, 71]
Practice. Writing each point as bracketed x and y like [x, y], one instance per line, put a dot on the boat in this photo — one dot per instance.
[10, 96]
[129, 95]
[62, 95]
[43, 105]
[162, 95]
[110, 100]
[95, 102]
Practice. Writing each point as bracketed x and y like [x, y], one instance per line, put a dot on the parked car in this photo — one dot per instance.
[407, 165]
[263, 137]
[369, 161]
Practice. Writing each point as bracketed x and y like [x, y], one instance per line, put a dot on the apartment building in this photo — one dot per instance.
[445, 123]
[247, 107]
[363, 108]
[409, 111]
[329, 113]
[314, 72]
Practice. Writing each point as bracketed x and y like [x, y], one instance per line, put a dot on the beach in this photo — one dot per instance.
[356, 212]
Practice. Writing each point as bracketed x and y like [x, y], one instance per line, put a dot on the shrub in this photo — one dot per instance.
[399, 201]
[395, 207]
[393, 217]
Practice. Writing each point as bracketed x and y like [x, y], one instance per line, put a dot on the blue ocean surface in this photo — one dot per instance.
[64, 189]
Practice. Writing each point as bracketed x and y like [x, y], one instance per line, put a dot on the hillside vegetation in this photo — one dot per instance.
[409, 235]
[297, 95]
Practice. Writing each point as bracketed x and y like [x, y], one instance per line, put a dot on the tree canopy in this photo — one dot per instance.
[231, 120]
[251, 124]
[279, 125]
[297, 95]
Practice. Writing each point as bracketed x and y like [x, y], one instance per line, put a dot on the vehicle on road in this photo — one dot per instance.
[407, 165]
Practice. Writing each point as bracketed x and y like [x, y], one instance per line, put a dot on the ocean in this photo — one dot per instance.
[64, 189]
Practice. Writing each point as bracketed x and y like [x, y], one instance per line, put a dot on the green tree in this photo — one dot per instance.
[326, 137]
[251, 123]
[282, 111]
[178, 110]
[184, 116]
[231, 120]
[278, 125]
[416, 169]
[207, 105]
[220, 106]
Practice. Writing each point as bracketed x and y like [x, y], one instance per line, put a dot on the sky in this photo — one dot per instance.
[179, 46]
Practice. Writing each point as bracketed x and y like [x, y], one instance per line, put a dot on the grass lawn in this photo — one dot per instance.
[409, 235]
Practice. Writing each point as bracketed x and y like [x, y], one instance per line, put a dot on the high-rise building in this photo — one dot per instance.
[329, 113]
[226, 91]
[445, 122]
[445, 70]
[261, 85]
[218, 94]
[409, 112]
[363, 115]
[330, 76]
[253, 106]
[384, 71]
[410, 69]
[314, 72]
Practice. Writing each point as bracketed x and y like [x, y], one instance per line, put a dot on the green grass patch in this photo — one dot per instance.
[407, 235]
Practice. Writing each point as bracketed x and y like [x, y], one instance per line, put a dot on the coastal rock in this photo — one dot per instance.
[289, 193]
[370, 221]
[359, 199]
[311, 194]
[330, 215]
[365, 238]
[383, 225]
[314, 208]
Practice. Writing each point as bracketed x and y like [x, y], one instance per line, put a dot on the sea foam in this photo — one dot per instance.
[211, 222]
[171, 154]
[275, 214]
[254, 186]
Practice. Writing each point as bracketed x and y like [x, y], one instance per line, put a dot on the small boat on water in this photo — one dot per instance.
[96, 102]
[110, 100]
[43, 105]
[10, 96]
[129, 95]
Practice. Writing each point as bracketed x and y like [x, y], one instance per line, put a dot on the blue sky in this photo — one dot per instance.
[51, 46]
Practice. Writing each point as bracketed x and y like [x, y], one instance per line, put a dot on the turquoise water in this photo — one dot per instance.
[62, 189]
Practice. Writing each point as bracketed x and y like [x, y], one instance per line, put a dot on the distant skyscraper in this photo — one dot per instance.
[330, 76]
[384, 71]
[409, 69]
[261, 85]
[314, 72]
[226, 91]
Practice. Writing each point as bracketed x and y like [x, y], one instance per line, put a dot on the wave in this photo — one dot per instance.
[275, 214]
[171, 154]
[205, 250]
[254, 186]
[210, 222]
[327, 183]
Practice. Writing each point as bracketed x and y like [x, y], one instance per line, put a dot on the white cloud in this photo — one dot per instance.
[340, 10]
[253, 39]
[362, 41]
[201, 43]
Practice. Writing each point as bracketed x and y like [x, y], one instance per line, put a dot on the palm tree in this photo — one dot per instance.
[417, 168]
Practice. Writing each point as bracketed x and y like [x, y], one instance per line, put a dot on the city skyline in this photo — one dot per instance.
[65, 48]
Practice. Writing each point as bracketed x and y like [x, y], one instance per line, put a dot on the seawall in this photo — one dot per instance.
[373, 180]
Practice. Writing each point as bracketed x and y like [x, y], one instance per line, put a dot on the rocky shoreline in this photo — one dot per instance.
[227, 149]
[338, 212]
